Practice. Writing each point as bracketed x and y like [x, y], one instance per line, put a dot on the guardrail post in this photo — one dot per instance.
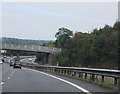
[58, 70]
[85, 75]
[62, 71]
[50, 70]
[74, 73]
[69, 72]
[93, 77]
[65, 72]
[55, 70]
[115, 81]
[102, 79]
[96, 78]
[119, 84]
[80, 74]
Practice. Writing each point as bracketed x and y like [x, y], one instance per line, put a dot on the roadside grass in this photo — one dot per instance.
[108, 81]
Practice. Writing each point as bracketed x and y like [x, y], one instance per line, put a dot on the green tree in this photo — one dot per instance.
[63, 35]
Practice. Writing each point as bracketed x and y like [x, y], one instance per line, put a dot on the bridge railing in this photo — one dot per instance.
[30, 48]
[93, 74]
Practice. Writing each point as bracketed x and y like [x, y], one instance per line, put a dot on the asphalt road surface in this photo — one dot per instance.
[0, 77]
[27, 80]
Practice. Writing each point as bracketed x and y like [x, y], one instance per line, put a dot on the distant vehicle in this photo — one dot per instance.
[30, 61]
[17, 64]
[2, 60]
[5, 59]
[5, 56]
[11, 63]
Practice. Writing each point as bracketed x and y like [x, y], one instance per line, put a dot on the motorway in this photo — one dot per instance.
[0, 77]
[28, 80]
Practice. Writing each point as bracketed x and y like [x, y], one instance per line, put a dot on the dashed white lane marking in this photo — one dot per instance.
[70, 83]
[8, 78]
[2, 83]
[12, 72]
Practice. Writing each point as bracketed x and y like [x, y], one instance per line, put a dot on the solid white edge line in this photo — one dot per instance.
[78, 87]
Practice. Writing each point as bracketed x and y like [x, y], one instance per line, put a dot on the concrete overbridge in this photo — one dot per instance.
[49, 52]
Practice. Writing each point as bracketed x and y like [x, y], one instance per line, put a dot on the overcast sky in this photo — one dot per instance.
[42, 20]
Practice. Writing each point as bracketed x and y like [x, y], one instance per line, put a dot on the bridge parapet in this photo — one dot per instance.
[33, 48]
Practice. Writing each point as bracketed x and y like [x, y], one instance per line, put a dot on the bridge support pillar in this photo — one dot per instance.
[45, 58]
[50, 58]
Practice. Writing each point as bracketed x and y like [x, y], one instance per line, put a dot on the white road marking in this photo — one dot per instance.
[2, 83]
[12, 71]
[70, 83]
[8, 78]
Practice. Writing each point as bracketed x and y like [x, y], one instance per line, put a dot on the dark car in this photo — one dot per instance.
[17, 64]
[11, 63]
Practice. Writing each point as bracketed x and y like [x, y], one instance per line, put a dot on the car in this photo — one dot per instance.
[17, 64]
[11, 63]
[5, 56]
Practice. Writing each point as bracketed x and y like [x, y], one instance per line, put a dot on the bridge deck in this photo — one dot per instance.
[33, 48]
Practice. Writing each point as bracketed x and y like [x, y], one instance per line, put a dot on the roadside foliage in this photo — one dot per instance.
[98, 49]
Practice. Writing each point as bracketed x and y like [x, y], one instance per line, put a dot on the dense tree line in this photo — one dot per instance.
[97, 49]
